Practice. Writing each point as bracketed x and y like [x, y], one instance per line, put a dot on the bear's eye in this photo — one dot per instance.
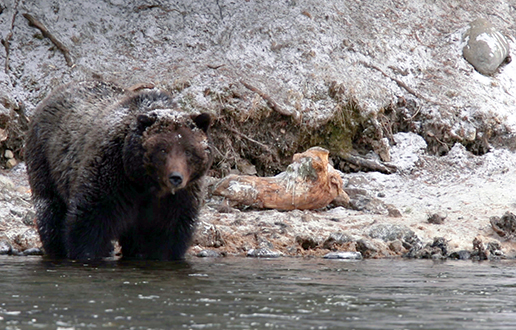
[163, 151]
[188, 153]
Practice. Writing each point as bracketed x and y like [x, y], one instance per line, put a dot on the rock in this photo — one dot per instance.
[414, 250]
[486, 48]
[6, 183]
[308, 183]
[361, 200]
[393, 212]
[5, 247]
[8, 154]
[371, 249]
[407, 150]
[460, 255]
[495, 250]
[396, 246]
[343, 255]
[479, 250]
[11, 163]
[335, 240]
[504, 226]
[390, 232]
[438, 249]
[441, 244]
[436, 219]
[208, 254]
[307, 242]
[29, 218]
[263, 253]
[401, 238]
[412, 243]
[33, 252]
[16, 252]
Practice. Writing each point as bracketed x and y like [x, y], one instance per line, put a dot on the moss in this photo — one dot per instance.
[246, 130]
[268, 140]
[338, 133]
[303, 169]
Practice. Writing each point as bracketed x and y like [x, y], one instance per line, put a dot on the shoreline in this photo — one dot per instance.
[460, 190]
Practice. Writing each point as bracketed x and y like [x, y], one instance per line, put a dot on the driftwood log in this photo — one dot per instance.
[310, 182]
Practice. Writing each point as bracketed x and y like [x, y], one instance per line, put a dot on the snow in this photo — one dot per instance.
[293, 50]
[405, 153]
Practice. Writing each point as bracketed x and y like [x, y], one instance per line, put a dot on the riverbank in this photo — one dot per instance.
[446, 202]
[385, 80]
[433, 207]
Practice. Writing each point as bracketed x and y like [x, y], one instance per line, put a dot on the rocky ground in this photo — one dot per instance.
[380, 79]
[434, 207]
[447, 202]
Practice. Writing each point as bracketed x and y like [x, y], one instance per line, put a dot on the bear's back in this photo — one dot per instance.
[76, 107]
[65, 125]
[105, 164]
[85, 122]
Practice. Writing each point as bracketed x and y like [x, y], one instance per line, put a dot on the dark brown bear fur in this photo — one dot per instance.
[108, 164]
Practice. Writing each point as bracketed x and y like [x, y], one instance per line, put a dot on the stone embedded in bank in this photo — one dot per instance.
[206, 253]
[263, 253]
[349, 255]
[5, 247]
[486, 48]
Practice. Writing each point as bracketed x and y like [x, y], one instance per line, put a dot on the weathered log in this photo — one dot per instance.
[310, 182]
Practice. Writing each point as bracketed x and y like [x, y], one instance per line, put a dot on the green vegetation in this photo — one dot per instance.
[338, 133]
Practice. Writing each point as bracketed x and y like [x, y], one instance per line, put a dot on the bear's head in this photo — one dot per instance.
[176, 148]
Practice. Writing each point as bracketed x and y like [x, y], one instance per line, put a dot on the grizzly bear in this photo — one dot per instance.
[108, 164]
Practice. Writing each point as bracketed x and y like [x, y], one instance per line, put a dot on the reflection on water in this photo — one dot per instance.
[239, 293]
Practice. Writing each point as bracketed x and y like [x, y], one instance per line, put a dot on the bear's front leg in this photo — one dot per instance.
[156, 243]
[163, 228]
[90, 229]
[50, 215]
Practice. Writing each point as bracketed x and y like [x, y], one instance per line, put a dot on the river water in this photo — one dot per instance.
[244, 293]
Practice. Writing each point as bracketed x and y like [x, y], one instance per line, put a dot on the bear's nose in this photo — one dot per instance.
[175, 179]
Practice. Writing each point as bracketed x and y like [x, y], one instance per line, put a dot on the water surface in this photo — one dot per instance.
[243, 293]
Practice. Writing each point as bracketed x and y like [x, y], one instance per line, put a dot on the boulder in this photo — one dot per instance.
[486, 48]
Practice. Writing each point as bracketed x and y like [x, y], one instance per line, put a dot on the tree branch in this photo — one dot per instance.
[7, 40]
[37, 24]
[270, 102]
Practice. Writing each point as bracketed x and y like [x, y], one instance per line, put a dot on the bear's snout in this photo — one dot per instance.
[176, 179]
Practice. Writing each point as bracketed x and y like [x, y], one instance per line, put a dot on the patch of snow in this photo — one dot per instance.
[405, 153]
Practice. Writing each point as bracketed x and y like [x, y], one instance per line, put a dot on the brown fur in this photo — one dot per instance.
[105, 163]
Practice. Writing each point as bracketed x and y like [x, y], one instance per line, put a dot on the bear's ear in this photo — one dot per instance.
[202, 121]
[145, 121]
